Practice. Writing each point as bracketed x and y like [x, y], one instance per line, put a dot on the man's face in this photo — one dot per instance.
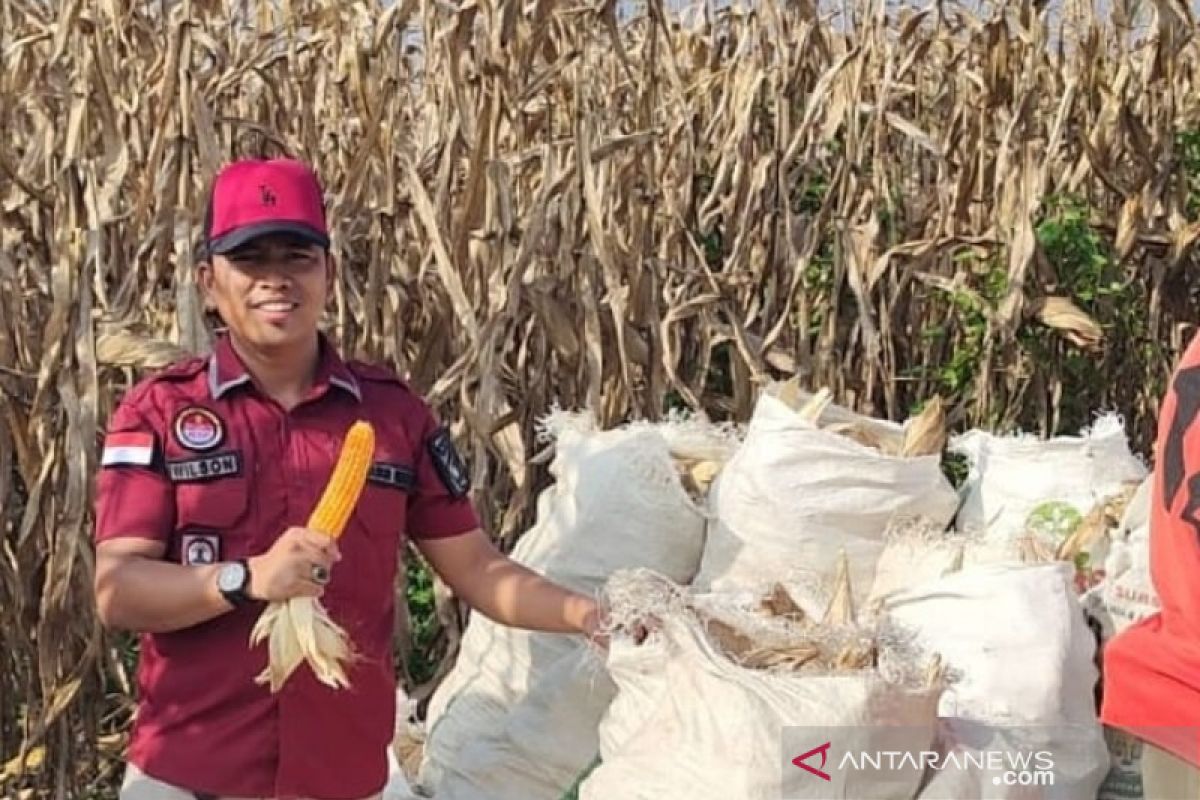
[271, 291]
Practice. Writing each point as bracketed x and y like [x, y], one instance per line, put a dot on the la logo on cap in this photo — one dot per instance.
[257, 197]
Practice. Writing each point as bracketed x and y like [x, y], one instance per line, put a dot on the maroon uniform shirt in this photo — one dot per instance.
[198, 459]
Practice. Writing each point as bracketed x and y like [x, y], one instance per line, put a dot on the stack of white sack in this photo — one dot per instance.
[811, 481]
[1008, 623]
[517, 717]
[720, 698]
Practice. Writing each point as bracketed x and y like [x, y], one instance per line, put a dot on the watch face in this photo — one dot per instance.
[231, 577]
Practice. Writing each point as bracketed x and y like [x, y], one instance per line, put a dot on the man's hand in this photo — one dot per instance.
[596, 624]
[509, 593]
[294, 566]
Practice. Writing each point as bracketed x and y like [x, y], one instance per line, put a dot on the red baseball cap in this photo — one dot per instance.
[256, 197]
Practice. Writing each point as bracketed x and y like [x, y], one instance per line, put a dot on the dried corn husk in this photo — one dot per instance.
[122, 348]
[841, 604]
[924, 435]
[778, 603]
[1061, 314]
[296, 631]
[864, 435]
[926, 432]
[729, 639]
[1104, 517]
[792, 658]
[697, 475]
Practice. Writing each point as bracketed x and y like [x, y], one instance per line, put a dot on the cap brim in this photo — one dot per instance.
[236, 238]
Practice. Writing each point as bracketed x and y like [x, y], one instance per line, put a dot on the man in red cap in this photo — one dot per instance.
[209, 469]
[1152, 668]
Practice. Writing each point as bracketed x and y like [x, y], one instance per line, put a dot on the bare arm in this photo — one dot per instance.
[137, 590]
[505, 591]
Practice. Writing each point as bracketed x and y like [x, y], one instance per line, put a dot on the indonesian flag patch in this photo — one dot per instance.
[131, 448]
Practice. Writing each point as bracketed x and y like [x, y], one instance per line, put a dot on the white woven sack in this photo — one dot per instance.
[688, 722]
[1017, 641]
[1019, 481]
[793, 497]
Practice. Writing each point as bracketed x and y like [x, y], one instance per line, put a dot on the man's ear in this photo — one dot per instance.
[330, 273]
[204, 280]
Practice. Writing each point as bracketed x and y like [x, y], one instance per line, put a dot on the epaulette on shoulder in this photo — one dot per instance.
[176, 372]
[181, 370]
[375, 372]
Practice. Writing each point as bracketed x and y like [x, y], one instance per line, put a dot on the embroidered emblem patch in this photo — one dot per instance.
[131, 448]
[197, 428]
[449, 463]
[218, 465]
[200, 548]
[394, 476]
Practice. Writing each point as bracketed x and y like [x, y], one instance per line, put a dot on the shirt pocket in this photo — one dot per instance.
[373, 538]
[219, 505]
[381, 509]
[210, 521]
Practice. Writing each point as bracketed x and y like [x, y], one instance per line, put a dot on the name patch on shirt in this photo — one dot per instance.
[394, 476]
[218, 465]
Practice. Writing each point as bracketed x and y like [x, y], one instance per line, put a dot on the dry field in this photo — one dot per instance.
[583, 204]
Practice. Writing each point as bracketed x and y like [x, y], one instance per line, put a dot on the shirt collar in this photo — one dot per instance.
[226, 370]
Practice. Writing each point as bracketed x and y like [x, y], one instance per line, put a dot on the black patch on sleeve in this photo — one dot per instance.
[1187, 407]
[393, 476]
[205, 468]
[449, 463]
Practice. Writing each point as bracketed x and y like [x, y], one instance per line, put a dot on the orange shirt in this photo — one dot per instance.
[1152, 668]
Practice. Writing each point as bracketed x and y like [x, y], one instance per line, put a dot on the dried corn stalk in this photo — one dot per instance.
[300, 629]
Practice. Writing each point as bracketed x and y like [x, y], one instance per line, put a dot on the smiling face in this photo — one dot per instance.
[270, 292]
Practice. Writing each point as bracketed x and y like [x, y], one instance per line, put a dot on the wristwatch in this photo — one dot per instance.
[233, 581]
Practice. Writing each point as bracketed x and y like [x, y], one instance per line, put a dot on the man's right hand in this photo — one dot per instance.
[287, 569]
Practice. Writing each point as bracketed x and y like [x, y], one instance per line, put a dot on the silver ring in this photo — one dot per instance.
[320, 574]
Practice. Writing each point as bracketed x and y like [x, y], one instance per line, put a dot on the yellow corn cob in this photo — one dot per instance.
[346, 484]
[301, 629]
